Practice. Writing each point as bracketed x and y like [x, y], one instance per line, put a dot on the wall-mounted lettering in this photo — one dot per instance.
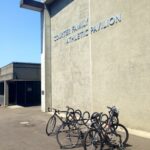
[81, 30]
[106, 23]
[71, 30]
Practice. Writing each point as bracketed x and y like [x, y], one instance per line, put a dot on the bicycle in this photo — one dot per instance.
[113, 124]
[52, 123]
[70, 135]
[53, 120]
[99, 136]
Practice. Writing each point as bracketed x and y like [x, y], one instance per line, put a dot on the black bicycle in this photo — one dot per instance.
[105, 133]
[71, 135]
[54, 121]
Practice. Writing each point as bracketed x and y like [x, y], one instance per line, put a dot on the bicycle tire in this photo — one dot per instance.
[92, 140]
[51, 125]
[122, 130]
[67, 136]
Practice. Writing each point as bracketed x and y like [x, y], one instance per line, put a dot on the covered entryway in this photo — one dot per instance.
[24, 93]
[20, 84]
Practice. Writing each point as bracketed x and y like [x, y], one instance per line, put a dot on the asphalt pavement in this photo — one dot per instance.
[24, 129]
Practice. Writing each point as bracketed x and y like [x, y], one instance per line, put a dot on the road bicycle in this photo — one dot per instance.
[53, 122]
[101, 134]
[56, 119]
[70, 135]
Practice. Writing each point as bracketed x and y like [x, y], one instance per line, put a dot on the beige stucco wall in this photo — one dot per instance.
[70, 62]
[121, 61]
[108, 67]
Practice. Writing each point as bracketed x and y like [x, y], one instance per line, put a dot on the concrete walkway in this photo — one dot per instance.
[24, 129]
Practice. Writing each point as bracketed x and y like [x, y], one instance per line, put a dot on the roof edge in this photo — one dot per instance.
[32, 5]
[48, 1]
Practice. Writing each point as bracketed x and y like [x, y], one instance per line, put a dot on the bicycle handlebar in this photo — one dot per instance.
[56, 110]
[111, 108]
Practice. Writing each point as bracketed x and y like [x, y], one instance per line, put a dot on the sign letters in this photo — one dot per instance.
[82, 29]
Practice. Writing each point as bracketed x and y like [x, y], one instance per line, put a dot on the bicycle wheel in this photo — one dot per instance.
[113, 140]
[92, 140]
[67, 136]
[122, 131]
[50, 127]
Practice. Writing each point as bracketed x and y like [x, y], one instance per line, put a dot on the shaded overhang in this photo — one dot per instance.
[48, 1]
[35, 5]
[32, 5]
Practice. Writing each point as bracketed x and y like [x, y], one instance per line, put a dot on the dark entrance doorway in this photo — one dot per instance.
[25, 93]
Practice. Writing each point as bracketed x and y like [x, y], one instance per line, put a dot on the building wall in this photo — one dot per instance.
[46, 62]
[6, 72]
[109, 66]
[7, 69]
[25, 71]
[120, 61]
[21, 71]
[71, 71]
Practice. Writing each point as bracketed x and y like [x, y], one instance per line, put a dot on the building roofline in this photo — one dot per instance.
[35, 5]
[48, 1]
[28, 63]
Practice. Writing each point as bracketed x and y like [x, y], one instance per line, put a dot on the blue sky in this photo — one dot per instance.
[20, 34]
